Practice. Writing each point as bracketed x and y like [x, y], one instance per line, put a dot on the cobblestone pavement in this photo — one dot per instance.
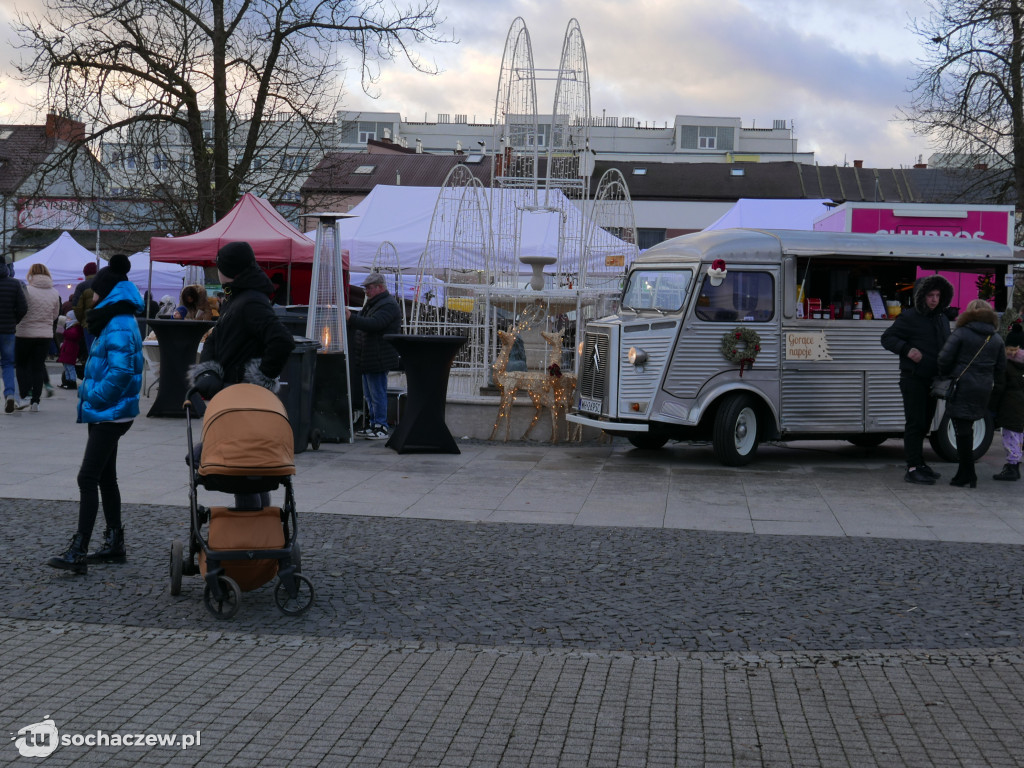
[486, 644]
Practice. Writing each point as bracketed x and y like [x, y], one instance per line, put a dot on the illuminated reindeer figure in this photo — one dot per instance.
[558, 388]
[549, 388]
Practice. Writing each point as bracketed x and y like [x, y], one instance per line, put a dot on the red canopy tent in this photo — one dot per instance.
[275, 241]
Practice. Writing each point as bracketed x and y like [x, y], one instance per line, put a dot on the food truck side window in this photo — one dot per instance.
[746, 297]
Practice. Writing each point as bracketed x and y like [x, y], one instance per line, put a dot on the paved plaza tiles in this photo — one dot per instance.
[526, 605]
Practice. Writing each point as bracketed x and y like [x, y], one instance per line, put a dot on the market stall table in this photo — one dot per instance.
[178, 342]
[427, 361]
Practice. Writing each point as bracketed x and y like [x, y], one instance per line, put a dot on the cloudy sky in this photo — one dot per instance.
[838, 69]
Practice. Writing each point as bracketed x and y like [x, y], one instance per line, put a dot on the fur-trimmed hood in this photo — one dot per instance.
[926, 285]
[987, 316]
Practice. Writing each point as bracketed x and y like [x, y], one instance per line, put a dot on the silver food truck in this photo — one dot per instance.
[741, 336]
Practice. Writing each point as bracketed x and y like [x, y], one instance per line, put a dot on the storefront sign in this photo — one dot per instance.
[55, 213]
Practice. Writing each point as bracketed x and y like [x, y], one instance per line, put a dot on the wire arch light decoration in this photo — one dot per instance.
[386, 262]
[569, 159]
[457, 256]
[606, 259]
[516, 144]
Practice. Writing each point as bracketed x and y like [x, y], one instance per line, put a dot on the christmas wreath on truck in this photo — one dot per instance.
[741, 345]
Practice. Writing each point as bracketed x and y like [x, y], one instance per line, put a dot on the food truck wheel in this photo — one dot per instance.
[648, 441]
[735, 435]
[868, 441]
[943, 440]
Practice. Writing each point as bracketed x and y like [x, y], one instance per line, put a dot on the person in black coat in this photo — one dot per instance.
[916, 335]
[373, 356]
[974, 354]
[1007, 404]
[249, 343]
[13, 307]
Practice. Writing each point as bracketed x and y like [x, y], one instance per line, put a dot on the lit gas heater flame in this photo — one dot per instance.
[325, 338]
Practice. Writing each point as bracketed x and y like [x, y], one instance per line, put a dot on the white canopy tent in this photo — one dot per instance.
[772, 214]
[168, 278]
[64, 258]
[402, 216]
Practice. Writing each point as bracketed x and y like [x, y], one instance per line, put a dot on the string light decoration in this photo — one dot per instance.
[552, 389]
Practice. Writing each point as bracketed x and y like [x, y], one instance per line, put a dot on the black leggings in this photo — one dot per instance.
[30, 363]
[98, 475]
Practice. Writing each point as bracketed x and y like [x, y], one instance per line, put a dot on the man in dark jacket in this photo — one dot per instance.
[373, 356]
[917, 336]
[12, 308]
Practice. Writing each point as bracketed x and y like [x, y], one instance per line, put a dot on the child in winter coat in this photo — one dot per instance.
[1008, 404]
[70, 349]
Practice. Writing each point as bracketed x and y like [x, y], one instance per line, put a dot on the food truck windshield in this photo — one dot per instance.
[663, 290]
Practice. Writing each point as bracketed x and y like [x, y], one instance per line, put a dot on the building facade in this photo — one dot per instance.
[688, 139]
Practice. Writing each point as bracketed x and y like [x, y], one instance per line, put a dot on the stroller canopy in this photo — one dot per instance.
[246, 433]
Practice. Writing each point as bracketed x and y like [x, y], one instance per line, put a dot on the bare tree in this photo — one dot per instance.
[190, 103]
[969, 92]
[969, 97]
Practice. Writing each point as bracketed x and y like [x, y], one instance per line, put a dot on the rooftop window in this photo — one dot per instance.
[365, 170]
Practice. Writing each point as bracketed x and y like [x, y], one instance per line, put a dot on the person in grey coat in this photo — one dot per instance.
[975, 355]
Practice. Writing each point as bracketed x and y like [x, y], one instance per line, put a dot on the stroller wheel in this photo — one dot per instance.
[314, 439]
[177, 566]
[230, 601]
[300, 602]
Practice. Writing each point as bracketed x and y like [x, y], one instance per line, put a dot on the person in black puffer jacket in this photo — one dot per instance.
[974, 355]
[13, 307]
[374, 357]
[916, 335]
[249, 343]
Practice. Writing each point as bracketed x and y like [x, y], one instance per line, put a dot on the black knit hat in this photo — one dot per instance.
[115, 272]
[235, 258]
[1015, 338]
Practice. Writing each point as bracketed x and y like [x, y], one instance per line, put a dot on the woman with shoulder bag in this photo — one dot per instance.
[973, 355]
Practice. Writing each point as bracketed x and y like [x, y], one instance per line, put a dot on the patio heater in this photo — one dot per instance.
[325, 324]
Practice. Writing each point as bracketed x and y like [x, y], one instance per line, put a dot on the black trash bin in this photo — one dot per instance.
[294, 319]
[297, 392]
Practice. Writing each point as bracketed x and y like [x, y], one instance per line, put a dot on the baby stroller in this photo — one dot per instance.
[247, 449]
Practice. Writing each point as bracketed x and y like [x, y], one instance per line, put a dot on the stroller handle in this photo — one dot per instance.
[194, 402]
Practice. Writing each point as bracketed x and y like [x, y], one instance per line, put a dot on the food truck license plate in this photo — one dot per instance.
[590, 406]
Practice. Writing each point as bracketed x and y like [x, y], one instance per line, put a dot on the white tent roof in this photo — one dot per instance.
[64, 258]
[772, 214]
[402, 216]
[168, 278]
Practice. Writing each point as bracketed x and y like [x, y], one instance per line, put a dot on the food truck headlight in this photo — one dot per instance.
[637, 356]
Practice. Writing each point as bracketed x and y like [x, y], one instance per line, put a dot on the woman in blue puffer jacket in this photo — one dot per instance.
[108, 402]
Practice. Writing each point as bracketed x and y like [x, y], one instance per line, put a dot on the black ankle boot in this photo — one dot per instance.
[73, 558]
[112, 550]
[1010, 472]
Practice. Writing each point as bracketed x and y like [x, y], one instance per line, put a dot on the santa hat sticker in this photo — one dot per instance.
[717, 272]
